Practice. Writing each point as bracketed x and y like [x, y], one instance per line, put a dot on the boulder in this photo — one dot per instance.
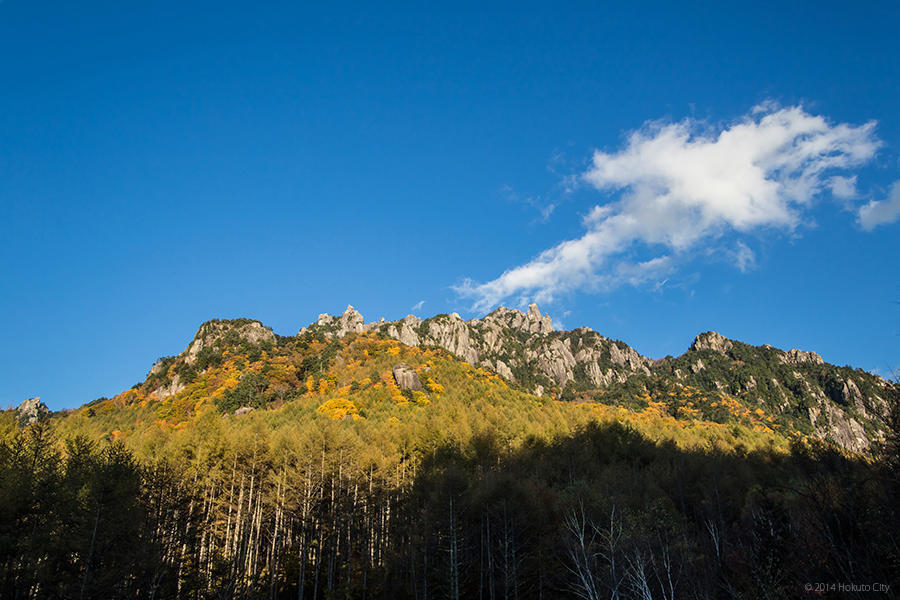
[406, 377]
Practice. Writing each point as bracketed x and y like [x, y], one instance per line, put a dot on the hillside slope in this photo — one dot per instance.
[342, 462]
[343, 367]
[797, 388]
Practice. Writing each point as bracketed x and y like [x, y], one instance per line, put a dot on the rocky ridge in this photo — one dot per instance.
[211, 332]
[522, 347]
[806, 394]
[848, 406]
[844, 405]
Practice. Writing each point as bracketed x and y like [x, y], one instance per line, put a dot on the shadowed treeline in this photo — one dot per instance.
[602, 513]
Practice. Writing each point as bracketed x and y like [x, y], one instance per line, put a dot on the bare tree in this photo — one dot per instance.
[593, 553]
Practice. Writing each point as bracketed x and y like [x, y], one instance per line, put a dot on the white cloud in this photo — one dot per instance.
[843, 188]
[881, 212]
[682, 184]
[418, 306]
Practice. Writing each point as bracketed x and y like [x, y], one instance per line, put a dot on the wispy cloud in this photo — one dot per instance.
[881, 212]
[418, 306]
[682, 184]
[543, 206]
[744, 258]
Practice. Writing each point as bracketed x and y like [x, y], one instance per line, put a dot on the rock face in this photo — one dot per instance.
[712, 341]
[799, 357]
[520, 346]
[212, 331]
[796, 383]
[406, 378]
[524, 348]
[830, 422]
[31, 411]
[175, 386]
[407, 331]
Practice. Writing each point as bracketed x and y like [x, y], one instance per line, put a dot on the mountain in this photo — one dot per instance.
[242, 365]
[445, 458]
[848, 406]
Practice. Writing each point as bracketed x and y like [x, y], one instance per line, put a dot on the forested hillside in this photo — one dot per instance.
[349, 462]
[801, 391]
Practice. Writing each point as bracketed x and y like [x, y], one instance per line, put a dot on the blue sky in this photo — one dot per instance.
[164, 163]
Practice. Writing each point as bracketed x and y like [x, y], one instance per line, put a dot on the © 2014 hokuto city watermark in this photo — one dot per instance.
[832, 586]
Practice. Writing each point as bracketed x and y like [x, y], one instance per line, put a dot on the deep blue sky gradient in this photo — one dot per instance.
[164, 163]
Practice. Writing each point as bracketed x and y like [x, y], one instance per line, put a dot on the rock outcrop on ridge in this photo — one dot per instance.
[801, 391]
[31, 411]
[209, 336]
[848, 406]
[522, 347]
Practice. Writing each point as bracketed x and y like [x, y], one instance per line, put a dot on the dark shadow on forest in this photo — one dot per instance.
[604, 513]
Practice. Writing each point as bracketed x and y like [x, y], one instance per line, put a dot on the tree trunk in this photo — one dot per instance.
[87, 565]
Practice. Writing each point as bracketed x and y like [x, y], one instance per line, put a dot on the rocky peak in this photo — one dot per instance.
[538, 323]
[31, 411]
[351, 322]
[213, 331]
[797, 357]
[531, 322]
[712, 340]
[405, 330]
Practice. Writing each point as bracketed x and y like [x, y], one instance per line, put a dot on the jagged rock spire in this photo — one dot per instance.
[31, 411]
[351, 322]
[712, 340]
[538, 323]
